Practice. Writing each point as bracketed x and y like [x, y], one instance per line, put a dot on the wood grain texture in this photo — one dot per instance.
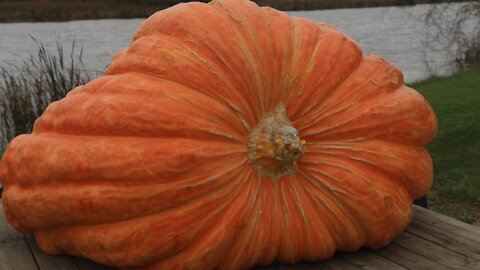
[367, 259]
[409, 259]
[449, 225]
[445, 238]
[424, 245]
[15, 253]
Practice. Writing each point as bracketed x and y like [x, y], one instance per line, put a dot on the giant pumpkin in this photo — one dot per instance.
[225, 136]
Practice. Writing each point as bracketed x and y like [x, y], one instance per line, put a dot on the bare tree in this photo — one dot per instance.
[452, 31]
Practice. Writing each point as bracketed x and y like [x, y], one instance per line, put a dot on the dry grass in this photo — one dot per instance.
[26, 90]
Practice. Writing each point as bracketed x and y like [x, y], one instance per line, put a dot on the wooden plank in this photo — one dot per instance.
[409, 259]
[367, 259]
[15, 255]
[335, 263]
[84, 264]
[302, 266]
[7, 232]
[20, 252]
[435, 252]
[49, 262]
[456, 227]
[14, 251]
[445, 239]
[432, 241]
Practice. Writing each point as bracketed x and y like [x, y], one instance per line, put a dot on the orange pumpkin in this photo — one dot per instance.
[226, 136]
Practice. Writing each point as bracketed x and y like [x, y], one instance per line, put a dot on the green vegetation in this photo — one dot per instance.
[64, 10]
[456, 149]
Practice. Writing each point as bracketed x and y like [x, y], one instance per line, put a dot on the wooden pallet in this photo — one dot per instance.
[432, 241]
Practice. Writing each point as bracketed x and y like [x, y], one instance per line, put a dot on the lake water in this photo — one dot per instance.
[394, 33]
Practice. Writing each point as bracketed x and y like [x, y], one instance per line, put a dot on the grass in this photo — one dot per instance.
[456, 148]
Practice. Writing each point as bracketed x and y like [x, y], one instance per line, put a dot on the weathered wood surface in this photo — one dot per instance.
[432, 241]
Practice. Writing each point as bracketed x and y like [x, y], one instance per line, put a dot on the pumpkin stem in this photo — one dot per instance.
[274, 145]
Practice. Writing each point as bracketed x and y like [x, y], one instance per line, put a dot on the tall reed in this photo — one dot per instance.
[27, 89]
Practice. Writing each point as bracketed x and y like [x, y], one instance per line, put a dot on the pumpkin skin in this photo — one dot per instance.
[148, 166]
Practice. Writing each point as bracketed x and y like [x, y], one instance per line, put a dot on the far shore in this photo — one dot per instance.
[51, 10]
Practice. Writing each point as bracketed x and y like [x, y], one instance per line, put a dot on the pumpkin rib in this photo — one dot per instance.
[203, 246]
[269, 247]
[260, 87]
[225, 64]
[370, 67]
[215, 120]
[38, 183]
[341, 64]
[283, 79]
[53, 241]
[300, 230]
[252, 231]
[348, 212]
[344, 228]
[376, 63]
[260, 245]
[335, 165]
[328, 28]
[93, 158]
[225, 137]
[24, 173]
[123, 64]
[284, 218]
[295, 52]
[318, 240]
[168, 114]
[258, 72]
[250, 241]
[291, 246]
[298, 202]
[330, 195]
[84, 208]
[320, 118]
[411, 166]
[309, 67]
[146, 30]
[379, 232]
[229, 103]
[222, 59]
[7, 163]
[199, 218]
[383, 117]
[260, 23]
